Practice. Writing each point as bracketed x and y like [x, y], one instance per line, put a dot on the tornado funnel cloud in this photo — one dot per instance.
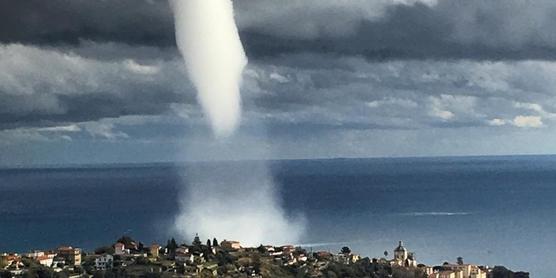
[236, 201]
[208, 39]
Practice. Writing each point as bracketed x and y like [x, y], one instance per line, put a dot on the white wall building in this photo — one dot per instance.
[104, 262]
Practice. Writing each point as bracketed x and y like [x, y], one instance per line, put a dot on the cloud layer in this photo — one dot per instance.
[382, 77]
[40, 87]
[52, 88]
[498, 29]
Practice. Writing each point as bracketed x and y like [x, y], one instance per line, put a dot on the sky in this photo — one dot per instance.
[102, 81]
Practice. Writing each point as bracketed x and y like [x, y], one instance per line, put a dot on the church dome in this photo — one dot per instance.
[400, 248]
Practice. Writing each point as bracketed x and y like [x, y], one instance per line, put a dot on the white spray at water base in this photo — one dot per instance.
[227, 201]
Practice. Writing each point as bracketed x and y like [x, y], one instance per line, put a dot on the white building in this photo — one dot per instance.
[183, 256]
[230, 244]
[34, 254]
[104, 262]
[119, 249]
[402, 257]
[461, 271]
[43, 258]
[72, 255]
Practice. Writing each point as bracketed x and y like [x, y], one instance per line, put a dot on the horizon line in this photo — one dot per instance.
[124, 164]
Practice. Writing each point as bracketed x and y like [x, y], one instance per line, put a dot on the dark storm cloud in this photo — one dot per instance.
[315, 65]
[496, 29]
[68, 21]
[449, 29]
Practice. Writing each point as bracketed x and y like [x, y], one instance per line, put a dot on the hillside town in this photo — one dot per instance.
[129, 258]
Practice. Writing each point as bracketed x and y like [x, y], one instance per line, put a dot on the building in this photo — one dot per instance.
[43, 258]
[276, 253]
[154, 249]
[323, 255]
[10, 260]
[182, 250]
[402, 257]
[445, 274]
[104, 262]
[12, 263]
[230, 245]
[34, 254]
[400, 253]
[4, 260]
[463, 271]
[58, 261]
[301, 258]
[183, 256]
[427, 269]
[346, 257]
[287, 249]
[119, 249]
[71, 255]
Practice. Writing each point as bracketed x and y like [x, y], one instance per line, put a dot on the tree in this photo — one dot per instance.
[224, 258]
[460, 260]
[206, 273]
[196, 240]
[99, 274]
[214, 242]
[345, 250]
[501, 272]
[39, 272]
[208, 243]
[172, 245]
[257, 263]
[385, 253]
[142, 261]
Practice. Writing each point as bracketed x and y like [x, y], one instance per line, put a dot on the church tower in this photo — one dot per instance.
[400, 254]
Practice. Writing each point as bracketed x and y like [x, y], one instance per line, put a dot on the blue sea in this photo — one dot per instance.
[488, 210]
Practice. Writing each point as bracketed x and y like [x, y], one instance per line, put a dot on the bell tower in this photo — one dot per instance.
[400, 253]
